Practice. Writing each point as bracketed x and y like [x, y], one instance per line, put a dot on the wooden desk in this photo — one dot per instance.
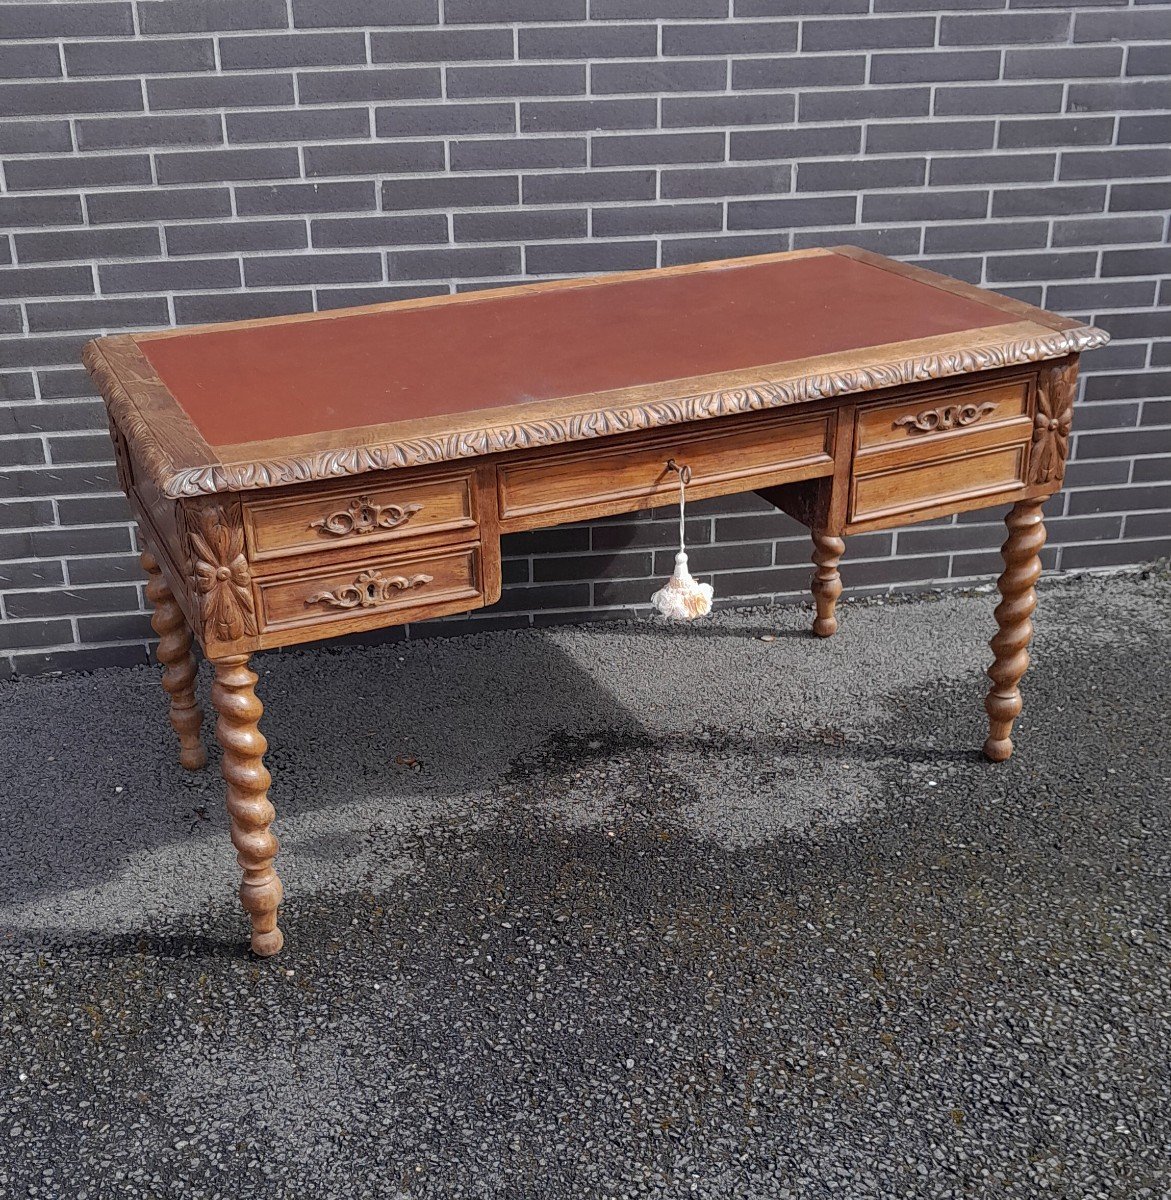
[308, 476]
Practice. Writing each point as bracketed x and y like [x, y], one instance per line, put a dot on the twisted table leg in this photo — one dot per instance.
[179, 669]
[251, 813]
[826, 583]
[1022, 568]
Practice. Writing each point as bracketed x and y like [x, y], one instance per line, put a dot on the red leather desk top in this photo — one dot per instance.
[274, 379]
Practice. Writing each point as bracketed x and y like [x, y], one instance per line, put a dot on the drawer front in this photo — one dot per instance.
[938, 483]
[359, 514]
[933, 420]
[584, 483]
[403, 585]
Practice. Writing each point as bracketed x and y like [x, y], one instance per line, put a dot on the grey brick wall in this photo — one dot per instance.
[171, 161]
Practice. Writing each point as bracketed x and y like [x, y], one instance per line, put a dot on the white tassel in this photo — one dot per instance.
[681, 598]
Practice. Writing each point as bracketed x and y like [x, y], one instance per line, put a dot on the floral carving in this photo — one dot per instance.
[1052, 423]
[221, 576]
[369, 590]
[947, 416]
[364, 516]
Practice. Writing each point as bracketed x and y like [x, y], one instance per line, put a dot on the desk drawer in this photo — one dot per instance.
[406, 586]
[739, 456]
[360, 513]
[920, 421]
[939, 483]
[928, 455]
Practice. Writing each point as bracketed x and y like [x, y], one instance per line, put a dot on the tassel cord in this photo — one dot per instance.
[682, 503]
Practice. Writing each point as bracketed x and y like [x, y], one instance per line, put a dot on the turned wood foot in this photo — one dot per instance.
[251, 813]
[826, 583]
[1022, 568]
[179, 667]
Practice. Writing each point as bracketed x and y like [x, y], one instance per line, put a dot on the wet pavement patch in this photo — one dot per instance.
[784, 936]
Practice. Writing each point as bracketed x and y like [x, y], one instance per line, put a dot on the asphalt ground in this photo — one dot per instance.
[605, 911]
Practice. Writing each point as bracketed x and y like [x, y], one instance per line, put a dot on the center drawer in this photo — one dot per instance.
[737, 454]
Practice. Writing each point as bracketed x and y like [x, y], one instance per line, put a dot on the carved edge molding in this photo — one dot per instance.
[1052, 423]
[121, 456]
[124, 414]
[220, 577]
[529, 435]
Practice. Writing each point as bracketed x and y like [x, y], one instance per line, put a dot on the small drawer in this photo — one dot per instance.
[939, 483]
[404, 585]
[362, 513]
[755, 452]
[926, 420]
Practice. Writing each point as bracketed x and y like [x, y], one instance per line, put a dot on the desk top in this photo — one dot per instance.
[264, 403]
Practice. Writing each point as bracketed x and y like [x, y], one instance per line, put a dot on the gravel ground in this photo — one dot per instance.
[618, 910]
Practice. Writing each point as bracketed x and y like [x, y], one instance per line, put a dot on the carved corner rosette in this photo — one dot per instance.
[362, 515]
[943, 418]
[369, 590]
[220, 576]
[1052, 423]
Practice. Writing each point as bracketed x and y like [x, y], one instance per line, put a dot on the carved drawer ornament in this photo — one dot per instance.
[947, 416]
[364, 516]
[1052, 423]
[369, 590]
[221, 576]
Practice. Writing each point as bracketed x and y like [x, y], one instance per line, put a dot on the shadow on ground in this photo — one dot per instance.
[610, 911]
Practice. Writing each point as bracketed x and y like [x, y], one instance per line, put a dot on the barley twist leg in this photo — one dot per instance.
[826, 583]
[1022, 568]
[179, 667]
[251, 813]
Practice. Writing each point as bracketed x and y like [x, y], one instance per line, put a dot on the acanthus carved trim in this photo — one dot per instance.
[595, 423]
[220, 574]
[124, 415]
[947, 416]
[364, 516]
[369, 590]
[1052, 423]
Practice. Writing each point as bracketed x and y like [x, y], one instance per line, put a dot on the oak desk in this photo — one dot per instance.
[309, 476]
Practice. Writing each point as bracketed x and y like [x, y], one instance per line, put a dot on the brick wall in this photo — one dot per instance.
[171, 161]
